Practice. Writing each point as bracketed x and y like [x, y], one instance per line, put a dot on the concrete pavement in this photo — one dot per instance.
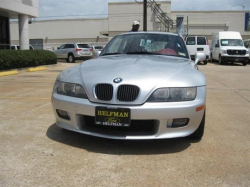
[35, 152]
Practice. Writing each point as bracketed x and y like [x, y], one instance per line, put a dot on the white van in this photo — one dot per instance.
[227, 46]
[247, 45]
[197, 44]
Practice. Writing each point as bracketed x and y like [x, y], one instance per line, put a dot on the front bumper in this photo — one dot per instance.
[161, 114]
[193, 57]
[235, 58]
[80, 55]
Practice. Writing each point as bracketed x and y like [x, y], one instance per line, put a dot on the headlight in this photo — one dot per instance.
[173, 94]
[224, 51]
[70, 89]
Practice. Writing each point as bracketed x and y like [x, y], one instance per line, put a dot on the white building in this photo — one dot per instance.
[120, 19]
[53, 33]
[22, 10]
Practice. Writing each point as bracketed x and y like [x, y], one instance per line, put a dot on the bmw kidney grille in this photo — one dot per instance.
[125, 93]
[104, 92]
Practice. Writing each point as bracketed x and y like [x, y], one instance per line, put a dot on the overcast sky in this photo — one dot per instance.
[62, 9]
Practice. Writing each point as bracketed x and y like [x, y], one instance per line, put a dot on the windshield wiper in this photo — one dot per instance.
[137, 52]
[112, 54]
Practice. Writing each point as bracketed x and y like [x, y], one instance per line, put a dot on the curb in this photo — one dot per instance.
[6, 73]
[36, 69]
[16, 71]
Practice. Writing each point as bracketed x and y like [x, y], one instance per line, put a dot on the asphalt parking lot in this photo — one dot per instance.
[35, 152]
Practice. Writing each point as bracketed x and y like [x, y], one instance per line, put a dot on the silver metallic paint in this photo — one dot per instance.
[149, 72]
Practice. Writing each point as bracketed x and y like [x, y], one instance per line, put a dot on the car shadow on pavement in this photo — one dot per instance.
[117, 147]
[226, 64]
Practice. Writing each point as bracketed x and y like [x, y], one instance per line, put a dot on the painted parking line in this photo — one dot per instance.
[6, 73]
[36, 69]
[27, 98]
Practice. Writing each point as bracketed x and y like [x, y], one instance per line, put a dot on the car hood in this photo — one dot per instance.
[131, 68]
[233, 47]
[148, 72]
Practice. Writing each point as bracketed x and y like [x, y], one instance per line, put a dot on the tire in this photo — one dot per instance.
[220, 60]
[71, 58]
[244, 63]
[67, 60]
[197, 135]
[205, 62]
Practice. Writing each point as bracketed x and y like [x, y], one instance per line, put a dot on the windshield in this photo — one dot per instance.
[98, 47]
[146, 43]
[231, 42]
[83, 46]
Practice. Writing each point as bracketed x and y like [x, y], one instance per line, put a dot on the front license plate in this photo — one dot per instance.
[236, 59]
[119, 117]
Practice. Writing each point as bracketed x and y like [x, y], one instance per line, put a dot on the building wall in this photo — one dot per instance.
[57, 32]
[120, 19]
[12, 8]
[122, 15]
[209, 22]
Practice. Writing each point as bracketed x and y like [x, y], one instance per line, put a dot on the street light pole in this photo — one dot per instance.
[145, 15]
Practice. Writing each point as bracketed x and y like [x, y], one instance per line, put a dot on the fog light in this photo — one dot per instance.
[63, 114]
[180, 122]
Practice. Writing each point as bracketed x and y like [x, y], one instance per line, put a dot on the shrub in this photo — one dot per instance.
[12, 59]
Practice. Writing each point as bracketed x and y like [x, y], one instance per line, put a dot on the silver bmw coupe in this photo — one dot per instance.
[142, 86]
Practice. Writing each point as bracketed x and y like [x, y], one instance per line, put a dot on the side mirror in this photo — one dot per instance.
[199, 57]
[58, 48]
[216, 45]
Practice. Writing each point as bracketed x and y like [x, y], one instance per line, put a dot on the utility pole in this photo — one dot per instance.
[187, 25]
[145, 15]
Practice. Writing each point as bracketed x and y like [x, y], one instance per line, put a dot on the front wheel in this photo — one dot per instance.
[220, 60]
[200, 131]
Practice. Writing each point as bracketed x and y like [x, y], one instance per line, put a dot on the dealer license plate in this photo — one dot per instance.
[106, 116]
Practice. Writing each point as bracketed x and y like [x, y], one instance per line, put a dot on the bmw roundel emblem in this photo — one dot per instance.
[117, 80]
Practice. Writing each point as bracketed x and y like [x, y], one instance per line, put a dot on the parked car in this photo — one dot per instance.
[227, 46]
[49, 48]
[198, 44]
[143, 86]
[247, 45]
[97, 50]
[74, 51]
[17, 47]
